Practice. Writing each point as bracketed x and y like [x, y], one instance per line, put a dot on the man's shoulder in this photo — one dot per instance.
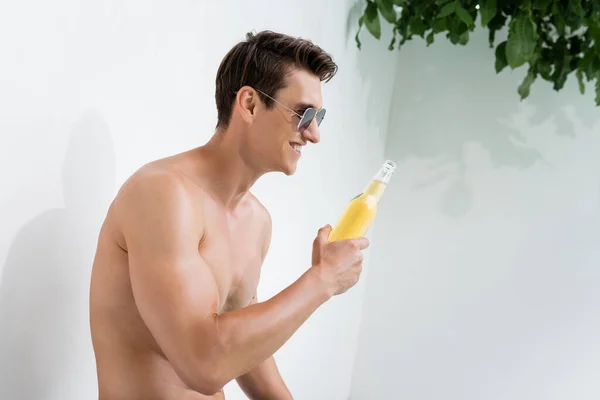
[261, 211]
[154, 185]
[152, 178]
[152, 202]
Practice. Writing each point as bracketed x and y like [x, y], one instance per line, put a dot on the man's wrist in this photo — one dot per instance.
[318, 282]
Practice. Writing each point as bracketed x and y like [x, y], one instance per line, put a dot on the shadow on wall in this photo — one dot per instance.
[437, 113]
[45, 346]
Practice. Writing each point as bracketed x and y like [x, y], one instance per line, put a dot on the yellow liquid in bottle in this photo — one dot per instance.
[359, 214]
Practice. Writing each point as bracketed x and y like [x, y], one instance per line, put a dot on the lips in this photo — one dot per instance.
[296, 147]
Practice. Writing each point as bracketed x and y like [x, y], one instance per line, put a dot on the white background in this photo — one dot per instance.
[484, 281]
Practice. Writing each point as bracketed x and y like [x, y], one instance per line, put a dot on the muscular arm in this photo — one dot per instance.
[264, 381]
[178, 299]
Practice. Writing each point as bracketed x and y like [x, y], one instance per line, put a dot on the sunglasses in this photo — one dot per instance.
[306, 118]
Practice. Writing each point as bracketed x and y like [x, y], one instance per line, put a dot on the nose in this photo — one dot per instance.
[312, 133]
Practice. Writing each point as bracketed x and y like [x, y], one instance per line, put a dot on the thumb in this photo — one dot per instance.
[324, 233]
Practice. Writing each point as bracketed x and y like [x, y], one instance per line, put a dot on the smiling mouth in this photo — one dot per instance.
[297, 148]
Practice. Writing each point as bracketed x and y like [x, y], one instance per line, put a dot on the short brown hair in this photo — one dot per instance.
[262, 61]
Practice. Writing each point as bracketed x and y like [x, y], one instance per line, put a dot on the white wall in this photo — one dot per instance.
[89, 91]
[485, 271]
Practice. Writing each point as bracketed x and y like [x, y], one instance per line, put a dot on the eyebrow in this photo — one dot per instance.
[305, 106]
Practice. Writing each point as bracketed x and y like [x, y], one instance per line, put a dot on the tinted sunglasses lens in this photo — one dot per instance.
[320, 116]
[306, 119]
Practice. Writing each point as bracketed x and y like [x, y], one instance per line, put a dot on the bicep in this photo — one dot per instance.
[173, 287]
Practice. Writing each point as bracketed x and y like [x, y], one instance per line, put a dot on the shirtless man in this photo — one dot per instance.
[174, 313]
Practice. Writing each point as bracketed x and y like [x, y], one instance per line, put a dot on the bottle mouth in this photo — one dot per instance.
[389, 165]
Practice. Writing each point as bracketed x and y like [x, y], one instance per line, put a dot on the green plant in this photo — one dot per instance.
[553, 37]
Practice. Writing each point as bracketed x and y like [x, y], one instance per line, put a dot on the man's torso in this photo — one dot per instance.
[130, 363]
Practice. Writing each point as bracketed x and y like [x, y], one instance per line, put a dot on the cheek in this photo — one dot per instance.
[275, 130]
[278, 123]
[270, 135]
[266, 140]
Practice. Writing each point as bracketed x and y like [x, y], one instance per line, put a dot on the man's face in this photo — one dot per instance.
[274, 134]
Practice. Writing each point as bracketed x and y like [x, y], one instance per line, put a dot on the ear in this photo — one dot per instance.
[246, 100]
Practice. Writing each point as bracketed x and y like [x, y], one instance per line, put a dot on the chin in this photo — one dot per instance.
[289, 169]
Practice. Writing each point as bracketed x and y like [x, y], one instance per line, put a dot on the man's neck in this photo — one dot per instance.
[223, 169]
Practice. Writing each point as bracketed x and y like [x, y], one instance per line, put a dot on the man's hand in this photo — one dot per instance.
[338, 263]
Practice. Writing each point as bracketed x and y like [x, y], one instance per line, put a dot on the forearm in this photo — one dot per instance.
[264, 382]
[250, 335]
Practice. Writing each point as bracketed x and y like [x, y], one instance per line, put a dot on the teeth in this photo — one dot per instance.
[296, 147]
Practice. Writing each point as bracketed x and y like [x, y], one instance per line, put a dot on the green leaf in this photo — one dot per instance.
[361, 21]
[419, 7]
[461, 27]
[525, 86]
[439, 25]
[541, 5]
[586, 65]
[463, 38]
[544, 68]
[496, 24]
[399, 2]
[562, 63]
[562, 68]
[575, 44]
[393, 41]
[593, 33]
[454, 31]
[447, 9]
[573, 13]
[558, 19]
[501, 62]
[402, 28]
[596, 63]
[488, 11]
[429, 38]
[594, 30]
[576, 8]
[522, 39]
[579, 75]
[464, 15]
[372, 20]
[595, 7]
[386, 8]
[535, 57]
[417, 26]
[492, 37]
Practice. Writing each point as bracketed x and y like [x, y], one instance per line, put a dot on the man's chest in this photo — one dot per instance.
[236, 261]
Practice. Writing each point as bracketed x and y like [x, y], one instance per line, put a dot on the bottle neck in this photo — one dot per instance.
[385, 172]
[380, 181]
[375, 188]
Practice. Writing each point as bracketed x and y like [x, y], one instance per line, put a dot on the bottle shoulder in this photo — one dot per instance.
[366, 199]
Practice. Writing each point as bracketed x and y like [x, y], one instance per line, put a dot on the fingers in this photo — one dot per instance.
[362, 243]
[323, 237]
[324, 232]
